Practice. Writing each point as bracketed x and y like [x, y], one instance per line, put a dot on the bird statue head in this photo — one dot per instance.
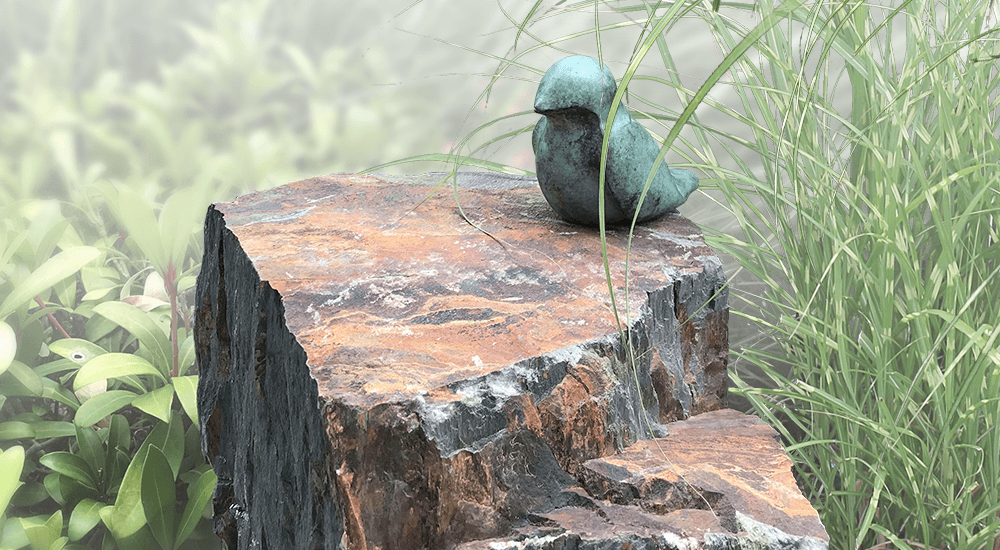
[575, 83]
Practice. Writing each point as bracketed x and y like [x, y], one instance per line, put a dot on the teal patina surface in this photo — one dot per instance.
[575, 98]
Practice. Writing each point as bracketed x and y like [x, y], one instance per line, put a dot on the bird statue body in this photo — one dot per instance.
[574, 98]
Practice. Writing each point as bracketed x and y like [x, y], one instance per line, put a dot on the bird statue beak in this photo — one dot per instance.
[542, 107]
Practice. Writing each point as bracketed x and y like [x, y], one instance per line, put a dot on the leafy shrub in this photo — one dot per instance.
[109, 155]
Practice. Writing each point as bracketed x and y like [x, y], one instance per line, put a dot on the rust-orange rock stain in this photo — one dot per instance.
[422, 298]
[735, 460]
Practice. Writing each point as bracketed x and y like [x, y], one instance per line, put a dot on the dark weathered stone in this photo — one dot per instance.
[461, 381]
[719, 481]
[261, 429]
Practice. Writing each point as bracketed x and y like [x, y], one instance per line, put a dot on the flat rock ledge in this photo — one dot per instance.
[377, 373]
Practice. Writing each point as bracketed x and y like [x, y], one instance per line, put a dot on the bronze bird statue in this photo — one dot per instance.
[574, 98]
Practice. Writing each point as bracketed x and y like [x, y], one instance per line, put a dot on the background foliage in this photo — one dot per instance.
[861, 226]
[119, 123]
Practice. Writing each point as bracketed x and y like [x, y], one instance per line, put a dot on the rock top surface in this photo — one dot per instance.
[371, 277]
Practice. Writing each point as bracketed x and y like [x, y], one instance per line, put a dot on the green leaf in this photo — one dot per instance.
[55, 269]
[178, 219]
[173, 444]
[65, 291]
[11, 464]
[91, 449]
[114, 365]
[143, 328]
[119, 435]
[8, 346]
[43, 536]
[15, 429]
[76, 350]
[138, 219]
[30, 494]
[53, 428]
[157, 402]
[57, 392]
[66, 490]
[127, 515]
[199, 494]
[96, 408]
[58, 366]
[86, 515]
[26, 377]
[12, 534]
[70, 465]
[158, 435]
[187, 392]
[158, 496]
[186, 355]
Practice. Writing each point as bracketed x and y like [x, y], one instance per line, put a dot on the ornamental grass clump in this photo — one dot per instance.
[871, 230]
[879, 250]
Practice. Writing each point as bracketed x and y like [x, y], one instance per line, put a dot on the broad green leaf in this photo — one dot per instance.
[114, 365]
[186, 355]
[15, 429]
[65, 291]
[53, 428]
[178, 219]
[100, 406]
[173, 444]
[12, 533]
[11, 464]
[158, 435]
[142, 327]
[127, 515]
[91, 449]
[30, 494]
[43, 536]
[156, 403]
[76, 350]
[117, 465]
[8, 346]
[26, 377]
[48, 213]
[199, 494]
[97, 294]
[187, 392]
[58, 366]
[138, 219]
[86, 515]
[64, 489]
[142, 539]
[158, 496]
[119, 435]
[55, 269]
[57, 392]
[70, 465]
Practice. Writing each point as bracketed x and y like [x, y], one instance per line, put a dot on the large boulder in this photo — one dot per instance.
[376, 372]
